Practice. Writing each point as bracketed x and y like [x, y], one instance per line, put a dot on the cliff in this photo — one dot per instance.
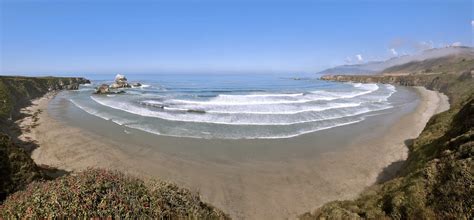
[436, 180]
[17, 92]
[17, 169]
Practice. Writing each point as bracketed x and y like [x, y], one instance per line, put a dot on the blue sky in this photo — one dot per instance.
[221, 36]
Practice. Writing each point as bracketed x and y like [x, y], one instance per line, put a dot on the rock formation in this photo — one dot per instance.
[120, 82]
[103, 89]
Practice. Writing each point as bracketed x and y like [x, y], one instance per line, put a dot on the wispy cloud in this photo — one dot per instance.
[424, 45]
[472, 23]
[393, 52]
[359, 58]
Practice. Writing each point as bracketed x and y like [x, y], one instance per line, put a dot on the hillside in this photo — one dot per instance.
[16, 167]
[436, 180]
[26, 191]
[445, 65]
[17, 92]
[377, 67]
[98, 193]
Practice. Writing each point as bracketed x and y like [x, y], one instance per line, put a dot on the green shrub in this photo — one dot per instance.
[102, 193]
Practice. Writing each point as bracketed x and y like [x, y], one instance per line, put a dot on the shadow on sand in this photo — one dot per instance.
[392, 170]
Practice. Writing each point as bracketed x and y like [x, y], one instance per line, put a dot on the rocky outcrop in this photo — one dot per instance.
[106, 89]
[120, 82]
[103, 89]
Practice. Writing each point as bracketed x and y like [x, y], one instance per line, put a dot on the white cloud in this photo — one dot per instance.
[394, 52]
[359, 57]
[456, 44]
[472, 23]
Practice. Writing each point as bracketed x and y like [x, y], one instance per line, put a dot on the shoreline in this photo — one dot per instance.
[73, 149]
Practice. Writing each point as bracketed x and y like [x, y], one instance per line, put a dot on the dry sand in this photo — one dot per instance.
[246, 189]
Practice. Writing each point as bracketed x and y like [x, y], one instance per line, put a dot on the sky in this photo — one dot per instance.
[261, 36]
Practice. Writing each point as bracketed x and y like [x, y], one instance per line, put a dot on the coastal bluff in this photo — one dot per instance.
[17, 91]
[17, 169]
[452, 85]
[33, 191]
[435, 182]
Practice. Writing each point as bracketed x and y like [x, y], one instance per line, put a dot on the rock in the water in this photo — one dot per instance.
[137, 84]
[120, 82]
[103, 89]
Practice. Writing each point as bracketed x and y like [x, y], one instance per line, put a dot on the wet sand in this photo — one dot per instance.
[249, 179]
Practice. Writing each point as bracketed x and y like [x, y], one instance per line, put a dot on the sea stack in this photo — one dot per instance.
[120, 82]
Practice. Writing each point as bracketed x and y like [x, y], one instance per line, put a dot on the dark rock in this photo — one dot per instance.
[196, 111]
[103, 89]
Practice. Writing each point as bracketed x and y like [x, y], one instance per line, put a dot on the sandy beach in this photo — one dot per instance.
[263, 183]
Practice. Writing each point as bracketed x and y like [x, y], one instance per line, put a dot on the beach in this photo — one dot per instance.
[249, 179]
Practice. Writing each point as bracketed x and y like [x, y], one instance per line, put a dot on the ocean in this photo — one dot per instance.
[234, 106]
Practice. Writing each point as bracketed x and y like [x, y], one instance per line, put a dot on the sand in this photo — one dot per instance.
[277, 185]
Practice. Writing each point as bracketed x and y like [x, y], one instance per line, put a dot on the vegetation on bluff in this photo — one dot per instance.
[17, 169]
[17, 92]
[436, 181]
[101, 193]
[91, 193]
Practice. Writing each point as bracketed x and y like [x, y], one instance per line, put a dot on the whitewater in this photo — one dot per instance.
[236, 107]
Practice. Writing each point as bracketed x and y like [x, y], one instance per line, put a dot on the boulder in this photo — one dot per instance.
[103, 89]
[137, 84]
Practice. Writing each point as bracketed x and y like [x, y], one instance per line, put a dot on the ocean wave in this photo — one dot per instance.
[272, 110]
[272, 99]
[232, 114]
[90, 110]
[208, 135]
[216, 119]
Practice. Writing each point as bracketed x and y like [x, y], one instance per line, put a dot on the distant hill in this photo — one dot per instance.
[378, 67]
[452, 64]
